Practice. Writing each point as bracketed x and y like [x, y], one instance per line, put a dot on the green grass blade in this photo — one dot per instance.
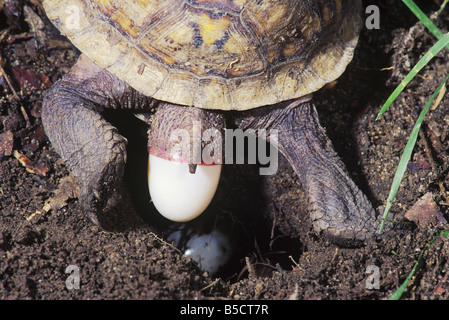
[406, 154]
[443, 6]
[444, 41]
[398, 293]
[423, 18]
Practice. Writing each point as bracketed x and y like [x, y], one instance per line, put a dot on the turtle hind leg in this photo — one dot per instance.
[338, 208]
[93, 150]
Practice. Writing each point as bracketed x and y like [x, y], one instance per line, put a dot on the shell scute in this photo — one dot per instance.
[215, 54]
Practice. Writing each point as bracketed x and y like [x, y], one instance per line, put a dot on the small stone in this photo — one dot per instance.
[425, 211]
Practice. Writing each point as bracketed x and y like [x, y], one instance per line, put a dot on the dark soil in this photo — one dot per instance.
[43, 230]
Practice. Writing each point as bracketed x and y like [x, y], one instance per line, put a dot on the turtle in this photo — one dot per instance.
[246, 64]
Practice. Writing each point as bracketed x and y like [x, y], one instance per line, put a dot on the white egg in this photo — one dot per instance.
[211, 250]
[178, 194]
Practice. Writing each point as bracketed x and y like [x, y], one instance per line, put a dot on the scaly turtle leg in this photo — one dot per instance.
[92, 148]
[338, 209]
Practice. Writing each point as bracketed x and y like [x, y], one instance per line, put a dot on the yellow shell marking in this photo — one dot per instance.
[215, 54]
[338, 4]
[212, 30]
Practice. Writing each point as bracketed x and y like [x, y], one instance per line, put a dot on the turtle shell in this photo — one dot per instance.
[215, 54]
